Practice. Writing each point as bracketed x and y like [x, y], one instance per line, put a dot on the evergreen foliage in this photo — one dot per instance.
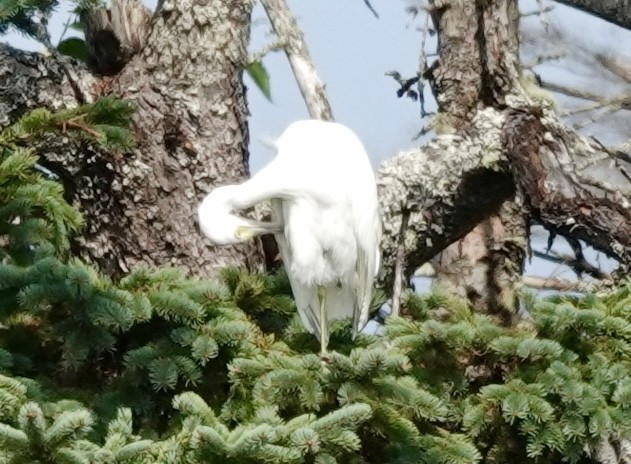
[161, 368]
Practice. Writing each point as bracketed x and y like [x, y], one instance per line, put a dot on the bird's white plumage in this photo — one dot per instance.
[324, 215]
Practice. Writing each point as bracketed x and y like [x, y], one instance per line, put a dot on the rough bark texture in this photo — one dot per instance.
[478, 66]
[614, 11]
[448, 187]
[457, 180]
[140, 207]
[293, 43]
[445, 188]
[32, 80]
[487, 264]
[114, 35]
[573, 185]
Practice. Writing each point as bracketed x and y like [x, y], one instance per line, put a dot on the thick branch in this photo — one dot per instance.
[615, 11]
[289, 33]
[572, 185]
[446, 188]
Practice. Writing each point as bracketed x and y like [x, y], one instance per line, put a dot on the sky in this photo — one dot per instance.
[353, 50]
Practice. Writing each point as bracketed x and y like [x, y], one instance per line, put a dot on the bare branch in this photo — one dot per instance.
[399, 268]
[273, 46]
[300, 60]
[557, 173]
[562, 285]
[578, 264]
[615, 66]
[537, 12]
[371, 8]
[571, 91]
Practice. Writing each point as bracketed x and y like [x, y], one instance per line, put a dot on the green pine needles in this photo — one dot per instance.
[161, 368]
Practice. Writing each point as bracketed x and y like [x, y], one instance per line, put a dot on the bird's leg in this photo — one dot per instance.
[324, 326]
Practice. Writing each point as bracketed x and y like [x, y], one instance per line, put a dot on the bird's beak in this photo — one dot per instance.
[254, 228]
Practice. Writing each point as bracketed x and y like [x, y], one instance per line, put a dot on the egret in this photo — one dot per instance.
[325, 219]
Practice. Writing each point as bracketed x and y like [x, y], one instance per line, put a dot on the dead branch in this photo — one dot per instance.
[371, 8]
[561, 285]
[399, 266]
[571, 91]
[614, 65]
[578, 264]
[287, 30]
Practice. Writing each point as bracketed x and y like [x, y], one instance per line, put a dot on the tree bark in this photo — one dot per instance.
[114, 35]
[485, 265]
[190, 125]
[615, 11]
[447, 187]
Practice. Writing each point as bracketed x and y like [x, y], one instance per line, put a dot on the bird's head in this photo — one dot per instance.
[221, 226]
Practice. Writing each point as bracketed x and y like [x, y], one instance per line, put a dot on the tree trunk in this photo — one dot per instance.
[191, 133]
[485, 265]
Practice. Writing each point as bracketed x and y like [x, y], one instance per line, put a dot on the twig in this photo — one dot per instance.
[370, 7]
[617, 103]
[273, 46]
[579, 264]
[75, 123]
[571, 91]
[542, 15]
[65, 29]
[538, 11]
[543, 58]
[614, 66]
[552, 283]
[399, 267]
[595, 117]
[422, 61]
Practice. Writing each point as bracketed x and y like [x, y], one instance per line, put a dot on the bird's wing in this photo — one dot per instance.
[368, 236]
[306, 298]
[366, 264]
[362, 190]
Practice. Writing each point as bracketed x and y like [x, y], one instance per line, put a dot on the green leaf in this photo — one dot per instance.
[74, 47]
[260, 76]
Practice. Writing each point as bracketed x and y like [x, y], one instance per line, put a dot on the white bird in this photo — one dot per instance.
[324, 217]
